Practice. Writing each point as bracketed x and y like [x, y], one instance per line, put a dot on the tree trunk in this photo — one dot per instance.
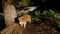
[9, 12]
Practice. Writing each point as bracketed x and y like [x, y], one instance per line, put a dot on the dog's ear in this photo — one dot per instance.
[16, 20]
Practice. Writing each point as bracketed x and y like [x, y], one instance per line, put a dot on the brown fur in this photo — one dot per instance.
[24, 20]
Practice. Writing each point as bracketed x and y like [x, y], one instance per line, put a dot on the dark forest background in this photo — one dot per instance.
[47, 4]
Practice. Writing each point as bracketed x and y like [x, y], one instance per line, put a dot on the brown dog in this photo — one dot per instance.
[24, 20]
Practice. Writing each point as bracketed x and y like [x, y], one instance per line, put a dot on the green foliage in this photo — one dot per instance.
[35, 16]
[48, 14]
[51, 14]
[57, 15]
[19, 3]
[58, 24]
[25, 2]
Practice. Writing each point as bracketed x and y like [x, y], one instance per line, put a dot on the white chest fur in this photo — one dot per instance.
[23, 24]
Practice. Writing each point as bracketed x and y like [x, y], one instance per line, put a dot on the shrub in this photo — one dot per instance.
[48, 14]
[52, 14]
[35, 16]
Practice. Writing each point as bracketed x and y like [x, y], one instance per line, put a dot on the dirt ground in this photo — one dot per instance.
[42, 28]
[45, 27]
